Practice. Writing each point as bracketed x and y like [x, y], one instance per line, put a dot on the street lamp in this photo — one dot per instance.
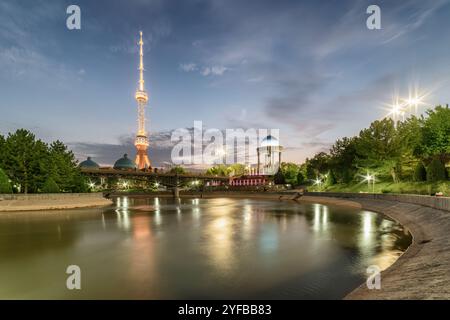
[396, 110]
[318, 182]
[370, 178]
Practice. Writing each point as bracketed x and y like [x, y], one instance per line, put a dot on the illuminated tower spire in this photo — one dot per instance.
[141, 141]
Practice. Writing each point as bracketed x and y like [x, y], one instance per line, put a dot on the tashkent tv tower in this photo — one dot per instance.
[141, 142]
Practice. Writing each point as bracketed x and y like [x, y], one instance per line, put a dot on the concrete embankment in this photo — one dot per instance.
[423, 271]
[31, 202]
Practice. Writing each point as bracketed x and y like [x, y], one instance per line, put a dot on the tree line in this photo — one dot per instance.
[416, 149]
[29, 165]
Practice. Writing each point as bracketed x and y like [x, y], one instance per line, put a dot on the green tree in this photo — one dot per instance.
[63, 166]
[218, 170]
[342, 160]
[436, 134]
[177, 170]
[50, 186]
[379, 149]
[290, 172]
[24, 159]
[2, 150]
[436, 171]
[236, 169]
[79, 183]
[5, 185]
[300, 179]
[420, 173]
[279, 177]
[331, 179]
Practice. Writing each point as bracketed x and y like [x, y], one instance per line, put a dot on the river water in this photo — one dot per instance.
[161, 248]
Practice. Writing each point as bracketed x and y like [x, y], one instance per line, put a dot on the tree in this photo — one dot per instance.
[343, 159]
[378, 148]
[5, 185]
[300, 179]
[22, 158]
[420, 173]
[79, 183]
[177, 170]
[2, 150]
[436, 134]
[436, 171]
[50, 186]
[236, 169]
[279, 177]
[331, 179]
[62, 166]
[290, 172]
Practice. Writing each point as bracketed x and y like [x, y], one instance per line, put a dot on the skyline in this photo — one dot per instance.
[312, 70]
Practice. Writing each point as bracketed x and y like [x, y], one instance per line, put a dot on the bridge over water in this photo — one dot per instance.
[165, 179]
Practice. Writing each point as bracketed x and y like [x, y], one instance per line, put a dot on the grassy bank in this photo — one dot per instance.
[423, 188]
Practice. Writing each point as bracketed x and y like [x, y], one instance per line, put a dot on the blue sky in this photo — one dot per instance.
[309, 68]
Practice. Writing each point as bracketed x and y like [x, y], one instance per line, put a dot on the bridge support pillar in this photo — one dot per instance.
[176, 192]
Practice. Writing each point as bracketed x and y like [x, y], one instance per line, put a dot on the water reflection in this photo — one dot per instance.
[199, 248]
[320, 222]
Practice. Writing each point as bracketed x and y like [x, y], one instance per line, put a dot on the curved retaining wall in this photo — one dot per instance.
[440, 203]
[423, 271]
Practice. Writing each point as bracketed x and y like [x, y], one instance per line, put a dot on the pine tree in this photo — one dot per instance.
[50, 186]
[5, 185]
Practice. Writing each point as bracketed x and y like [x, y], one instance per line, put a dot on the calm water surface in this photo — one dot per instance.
[195, 248]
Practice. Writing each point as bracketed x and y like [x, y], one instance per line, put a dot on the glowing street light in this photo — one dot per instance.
[156, 184]
[396, 110]
[370, 178]
[416, 99]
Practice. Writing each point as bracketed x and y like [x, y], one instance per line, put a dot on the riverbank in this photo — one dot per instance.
[34, 202]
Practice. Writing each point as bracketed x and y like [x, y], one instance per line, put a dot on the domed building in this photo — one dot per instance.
[89, 164]
[124, 163]
[269, 156]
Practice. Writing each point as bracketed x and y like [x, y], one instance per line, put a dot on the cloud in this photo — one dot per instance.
[215, 70]
[204, 71]
[188, 67]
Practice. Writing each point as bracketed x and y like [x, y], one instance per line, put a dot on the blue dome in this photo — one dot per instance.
[270, 141]
[124, 163]
[89, 164]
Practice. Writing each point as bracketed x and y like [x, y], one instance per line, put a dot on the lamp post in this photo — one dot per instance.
[370, 178]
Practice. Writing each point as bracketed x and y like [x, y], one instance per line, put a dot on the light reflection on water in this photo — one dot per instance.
[196, 248]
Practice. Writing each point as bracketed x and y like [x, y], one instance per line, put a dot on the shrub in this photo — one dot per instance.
[300, 179]
[279, 177]
[50, 186]
[331, 179]
[420, 173]
[5, 185]
[436, 171]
